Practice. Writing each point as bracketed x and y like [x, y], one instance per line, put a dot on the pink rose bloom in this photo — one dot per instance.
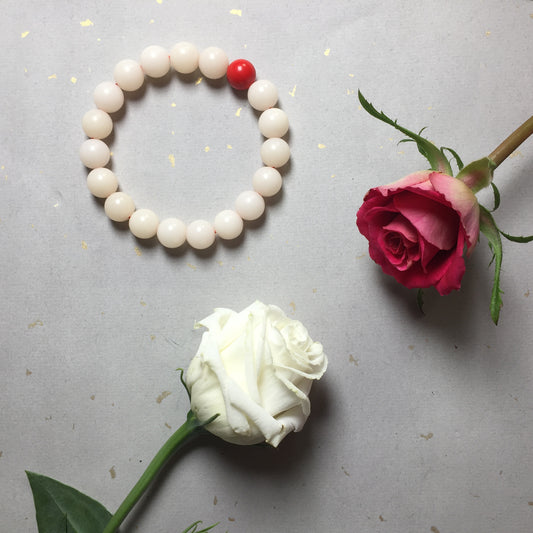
[420, 227]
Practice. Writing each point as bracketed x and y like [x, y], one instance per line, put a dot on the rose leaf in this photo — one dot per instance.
[455, 155]
[491, 231]
[435, 157]
[59, 507]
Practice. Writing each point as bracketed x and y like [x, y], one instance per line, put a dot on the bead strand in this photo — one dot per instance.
[156, 62]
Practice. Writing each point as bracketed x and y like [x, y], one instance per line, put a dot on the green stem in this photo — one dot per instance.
[512, 142]
[184, 433]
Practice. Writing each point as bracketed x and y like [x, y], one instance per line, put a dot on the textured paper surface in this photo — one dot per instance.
[422, 423]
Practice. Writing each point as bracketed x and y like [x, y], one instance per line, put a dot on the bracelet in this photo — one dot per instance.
[213, 63]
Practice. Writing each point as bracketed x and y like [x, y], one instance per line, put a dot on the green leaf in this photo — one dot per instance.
[478, 174]
[193, 528]
[60, 508]
[436, 157]
[491, 231]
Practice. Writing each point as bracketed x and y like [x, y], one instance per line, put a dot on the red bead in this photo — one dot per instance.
[241, 74]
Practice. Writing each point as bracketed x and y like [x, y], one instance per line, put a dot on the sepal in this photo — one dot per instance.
[434, 155]
[488, 227]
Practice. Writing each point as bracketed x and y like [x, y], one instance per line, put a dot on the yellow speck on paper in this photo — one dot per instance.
[84, 245]
[173, 104]
[35, 324]
[24, 34]
[28, 372]
[92, 396]
[138, 251]
[293, 307]
[173, 132]
[191, 266]
[349, 91]
[143, 303]
[487, 33]
[52, 77]
[333, 176]
[327, 51]
[237, 12]
[206, 149]
[430, 107]
[320, 145]
[353, 360]
[428, 436]
[86, 23]
[526, 294]
[151, 21]
[229, 147]
[172, 160]
[293, 92]
[351, 75]
[159, 1]
[198, 81]
[73, 80]
[152, 337]
[168, 425]
[162, 396]
[113, 472]
[238, 112]
[516, 153]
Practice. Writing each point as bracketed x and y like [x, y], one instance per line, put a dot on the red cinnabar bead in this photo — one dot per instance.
[240, 74]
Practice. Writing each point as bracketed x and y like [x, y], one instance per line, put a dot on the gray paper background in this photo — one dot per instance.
[422, 423]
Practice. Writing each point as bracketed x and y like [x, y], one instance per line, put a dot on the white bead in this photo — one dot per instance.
[275, 152]
[273, 122]
[102, 182]
[155, 61]
[97, 124]
[108, 97]
[250, 205]
[184, 57]
[172, 232]
[143, 223]
[228, 224]
[119, 206]
[200, 234]
[267, 181]
[213, 63]
[129, 75]
[262, 94]
[94, 153]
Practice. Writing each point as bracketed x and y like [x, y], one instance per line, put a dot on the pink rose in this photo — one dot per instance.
[419, 228]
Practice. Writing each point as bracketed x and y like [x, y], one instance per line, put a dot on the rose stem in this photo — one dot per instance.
[191, 428]
[512, 142]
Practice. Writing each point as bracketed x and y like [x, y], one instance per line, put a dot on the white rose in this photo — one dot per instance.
[255, 369]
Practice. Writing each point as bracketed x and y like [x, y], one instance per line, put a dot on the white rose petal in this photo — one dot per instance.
[255, 369]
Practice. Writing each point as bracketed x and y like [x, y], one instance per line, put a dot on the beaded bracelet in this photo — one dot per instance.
[213, 63]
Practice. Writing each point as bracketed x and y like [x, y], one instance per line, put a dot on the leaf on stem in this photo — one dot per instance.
[491, 231]
[435, 157]
[59, 507]
[455, 155]
[496, 197]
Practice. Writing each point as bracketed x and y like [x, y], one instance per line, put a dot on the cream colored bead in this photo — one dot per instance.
[184, 57]
[108, 97]
[155, 61]
[102, 182]
[94, 153]
[129, 75]
[119, 206]
[143, 223]
[250, 205]
[275, 152]
[262, 94]
[97, 124]
[267, 181]
[200, 234]
[273, 123]
[228, 224]
[213, 63]
[172, 232]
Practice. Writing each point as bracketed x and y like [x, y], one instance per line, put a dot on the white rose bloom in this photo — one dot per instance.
[255, 368]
